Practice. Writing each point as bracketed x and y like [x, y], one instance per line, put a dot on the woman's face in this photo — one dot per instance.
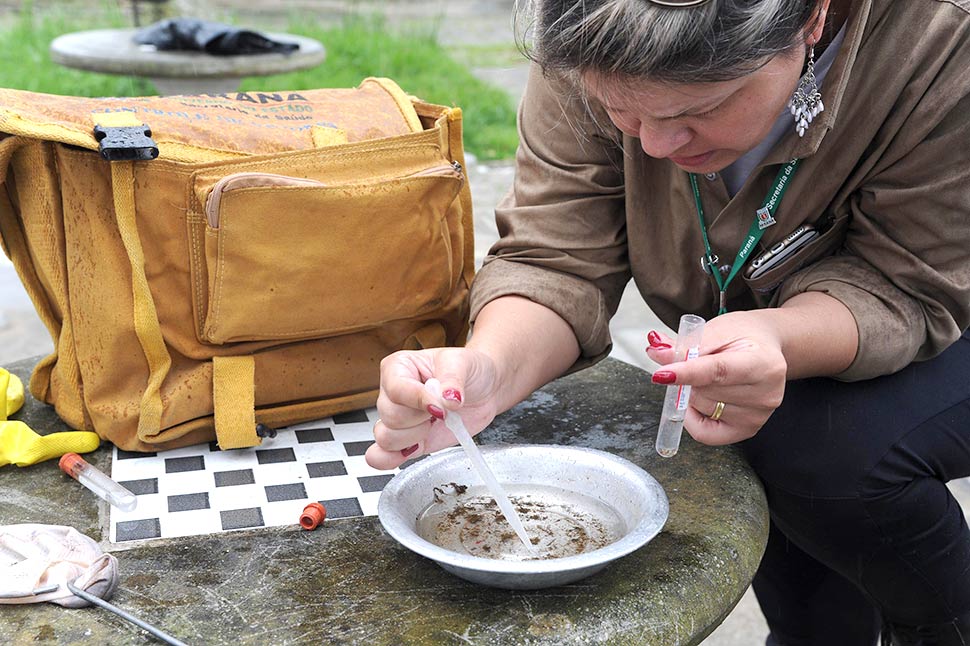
[701, 127]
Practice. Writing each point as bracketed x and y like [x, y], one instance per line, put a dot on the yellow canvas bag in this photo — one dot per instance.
[207, 263]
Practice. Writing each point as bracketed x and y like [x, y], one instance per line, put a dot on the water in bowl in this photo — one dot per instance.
[560, 523]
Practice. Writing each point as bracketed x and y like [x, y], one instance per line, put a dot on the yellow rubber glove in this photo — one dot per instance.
[20, 445]
[11, 394]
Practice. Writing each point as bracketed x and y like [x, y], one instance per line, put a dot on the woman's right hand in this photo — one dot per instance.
[410, 417]
[518, 345]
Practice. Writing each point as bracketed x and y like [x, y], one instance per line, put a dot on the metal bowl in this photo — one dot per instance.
[632, 498]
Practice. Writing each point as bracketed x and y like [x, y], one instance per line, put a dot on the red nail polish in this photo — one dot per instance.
[436, 412]
[408, 451]
[664, 377]
[656, 342]
[452, 395]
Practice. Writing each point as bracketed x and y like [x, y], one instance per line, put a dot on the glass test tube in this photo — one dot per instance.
[103, 487]
[676, 398]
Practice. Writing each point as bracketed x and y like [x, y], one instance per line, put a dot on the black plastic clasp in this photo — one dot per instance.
[265, 431]
[126, 143]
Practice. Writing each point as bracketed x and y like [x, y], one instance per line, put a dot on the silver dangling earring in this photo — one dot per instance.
[806, 102]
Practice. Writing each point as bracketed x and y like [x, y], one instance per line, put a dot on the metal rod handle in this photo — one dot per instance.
[98, 601]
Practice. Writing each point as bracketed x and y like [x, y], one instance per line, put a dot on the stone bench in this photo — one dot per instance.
[113, 51]
[350, 583]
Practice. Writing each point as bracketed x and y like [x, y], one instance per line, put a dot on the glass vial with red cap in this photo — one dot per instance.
[103, 487]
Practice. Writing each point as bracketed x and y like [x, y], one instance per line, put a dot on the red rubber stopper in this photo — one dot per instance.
[71, 464]
[313, 514]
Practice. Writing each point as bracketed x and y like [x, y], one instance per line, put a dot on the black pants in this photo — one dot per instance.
[863, 525]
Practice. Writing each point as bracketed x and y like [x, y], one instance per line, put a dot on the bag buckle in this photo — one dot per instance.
[126, 143]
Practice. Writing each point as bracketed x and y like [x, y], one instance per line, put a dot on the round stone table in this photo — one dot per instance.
[113, 51]
[348, 582]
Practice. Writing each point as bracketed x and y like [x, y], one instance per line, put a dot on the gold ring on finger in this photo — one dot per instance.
[718, 411]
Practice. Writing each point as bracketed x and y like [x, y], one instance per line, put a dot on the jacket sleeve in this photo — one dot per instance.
[562, 225]
[904, 270]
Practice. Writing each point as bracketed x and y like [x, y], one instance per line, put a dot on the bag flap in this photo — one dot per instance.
[207, 127]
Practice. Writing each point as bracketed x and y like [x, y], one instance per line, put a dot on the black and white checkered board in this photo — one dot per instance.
[202, 490]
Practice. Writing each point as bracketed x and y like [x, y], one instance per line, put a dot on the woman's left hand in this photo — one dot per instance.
[741, 364]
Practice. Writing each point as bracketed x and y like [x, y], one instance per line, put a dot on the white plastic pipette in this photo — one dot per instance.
[455, 424]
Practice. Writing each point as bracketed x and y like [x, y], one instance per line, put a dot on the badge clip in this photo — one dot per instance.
[764, 218]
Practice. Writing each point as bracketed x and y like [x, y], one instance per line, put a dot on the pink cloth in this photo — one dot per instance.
[35, 556]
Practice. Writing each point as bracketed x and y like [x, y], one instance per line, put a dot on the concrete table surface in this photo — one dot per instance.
[350, 583]
[113, 51]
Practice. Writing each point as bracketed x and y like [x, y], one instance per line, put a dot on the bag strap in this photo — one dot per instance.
[144, 314]
[234, 401]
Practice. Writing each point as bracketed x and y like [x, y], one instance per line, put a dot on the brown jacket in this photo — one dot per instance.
[886, 171]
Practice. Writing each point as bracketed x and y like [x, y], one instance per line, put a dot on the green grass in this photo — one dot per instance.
[357, 48]
[25, 63]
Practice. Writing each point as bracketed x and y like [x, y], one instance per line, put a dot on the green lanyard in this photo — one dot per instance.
[764, 218]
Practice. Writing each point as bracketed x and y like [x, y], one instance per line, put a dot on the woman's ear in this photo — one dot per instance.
[813, 33]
